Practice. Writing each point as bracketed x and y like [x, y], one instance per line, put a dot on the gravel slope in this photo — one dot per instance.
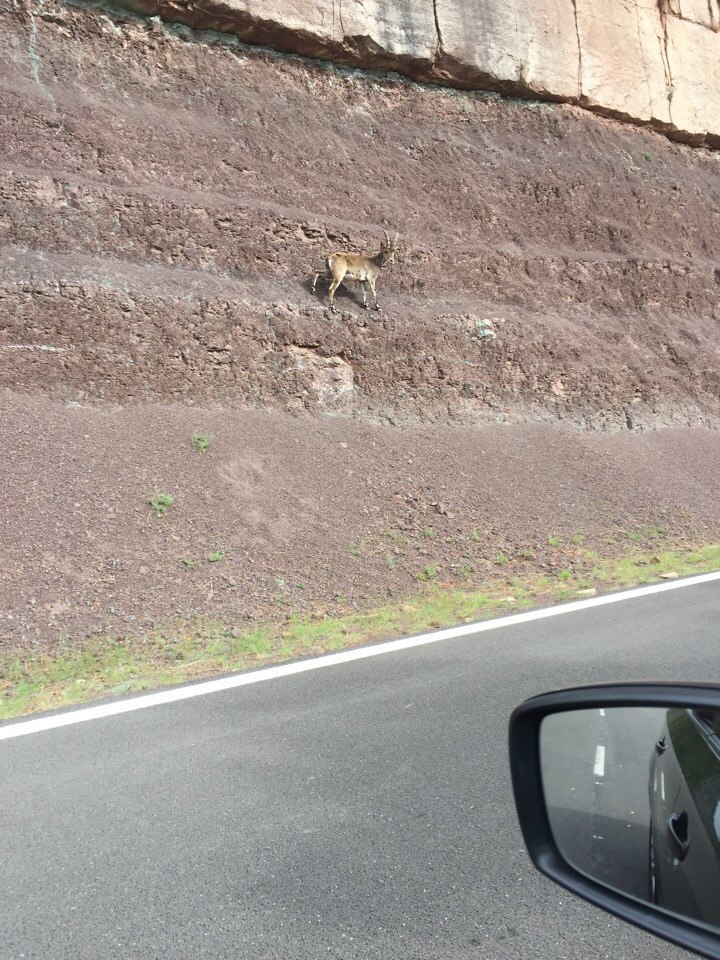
[309, 511]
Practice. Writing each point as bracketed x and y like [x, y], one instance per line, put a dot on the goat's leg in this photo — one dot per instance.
[325, 274]
[374, 293]
[331, 293]
[364, 290]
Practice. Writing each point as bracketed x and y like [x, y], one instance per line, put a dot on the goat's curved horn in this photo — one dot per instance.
[397, 237]
[387, 235]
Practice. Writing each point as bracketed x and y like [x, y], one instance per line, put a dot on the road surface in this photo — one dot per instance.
[595, 768]
[358, 811]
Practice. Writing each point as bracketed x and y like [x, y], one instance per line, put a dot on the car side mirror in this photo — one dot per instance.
[617, 790]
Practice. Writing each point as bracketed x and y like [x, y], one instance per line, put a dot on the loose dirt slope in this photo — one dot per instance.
[310, 514]
[163, 201]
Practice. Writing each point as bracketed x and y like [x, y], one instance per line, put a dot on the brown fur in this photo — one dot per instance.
[358, 267]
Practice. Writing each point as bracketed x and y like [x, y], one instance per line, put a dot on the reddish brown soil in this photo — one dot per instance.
[306, 509]
[163, 200]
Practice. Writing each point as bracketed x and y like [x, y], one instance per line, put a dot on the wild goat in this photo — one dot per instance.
[354, 265]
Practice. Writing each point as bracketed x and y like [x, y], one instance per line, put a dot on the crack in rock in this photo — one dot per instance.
[439, 41]
[663, 8]
[580, 57]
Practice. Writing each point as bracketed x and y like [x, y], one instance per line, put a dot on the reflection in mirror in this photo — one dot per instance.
[633, 798]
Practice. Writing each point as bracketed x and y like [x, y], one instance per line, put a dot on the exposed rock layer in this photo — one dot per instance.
[649, 61]
[163, 202]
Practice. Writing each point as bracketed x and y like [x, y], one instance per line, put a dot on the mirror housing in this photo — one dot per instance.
[525, 765]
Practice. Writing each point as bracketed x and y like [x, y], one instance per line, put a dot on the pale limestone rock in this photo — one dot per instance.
[623, 67]
[553, 61]
[704, 12]
[651, 61]
[695, 104]
[403, 29]
[519, 43]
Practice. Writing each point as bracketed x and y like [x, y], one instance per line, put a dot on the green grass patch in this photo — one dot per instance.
[201, 441]
[74, 674]
[160, 503]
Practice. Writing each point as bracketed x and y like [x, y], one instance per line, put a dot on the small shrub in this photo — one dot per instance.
[216, 556]
[188, 562]
[201, 441]
[564, 575]
[500, 560]
[160, 503]
[429, 533]
[474, 536]
[429, 573]
[528, 554]
[555, 541]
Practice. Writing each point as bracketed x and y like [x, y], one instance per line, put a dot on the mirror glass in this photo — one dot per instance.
[633, 797]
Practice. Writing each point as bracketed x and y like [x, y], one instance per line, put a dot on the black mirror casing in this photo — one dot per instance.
[528, 789]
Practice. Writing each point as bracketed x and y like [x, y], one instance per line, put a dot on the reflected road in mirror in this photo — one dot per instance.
[633, 798]
[596, 768]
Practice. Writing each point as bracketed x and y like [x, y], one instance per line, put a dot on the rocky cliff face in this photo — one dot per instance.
[165, 197]
[648, 61]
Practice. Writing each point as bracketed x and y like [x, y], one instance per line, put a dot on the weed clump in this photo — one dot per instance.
[160, 503]
[201, 441]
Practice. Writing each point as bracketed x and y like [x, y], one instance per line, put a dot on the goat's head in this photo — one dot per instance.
[388, 247]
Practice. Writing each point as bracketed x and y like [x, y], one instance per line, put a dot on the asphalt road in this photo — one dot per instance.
[358, 811]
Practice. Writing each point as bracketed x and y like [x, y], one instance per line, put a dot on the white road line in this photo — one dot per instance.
[25, 727]
[602, 712]
[599, 768]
